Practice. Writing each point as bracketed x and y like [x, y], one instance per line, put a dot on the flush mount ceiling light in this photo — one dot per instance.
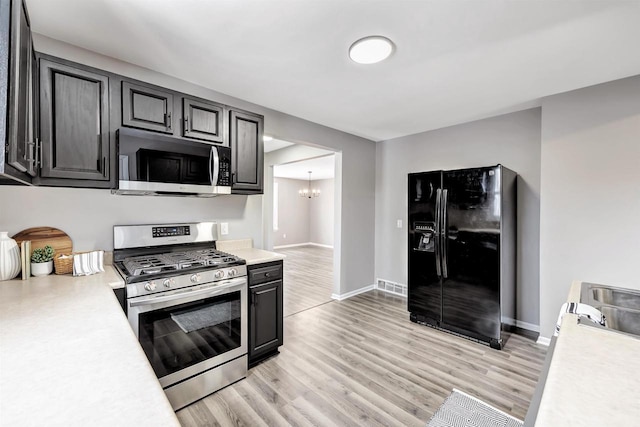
[371, 49]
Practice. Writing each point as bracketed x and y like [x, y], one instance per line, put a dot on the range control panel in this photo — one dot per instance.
[169, 231]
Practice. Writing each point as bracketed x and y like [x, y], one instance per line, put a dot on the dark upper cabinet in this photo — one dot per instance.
[202, 120]
[265, 310]
[20, 144]
[74, 123]
[147, 108]
[245, 133]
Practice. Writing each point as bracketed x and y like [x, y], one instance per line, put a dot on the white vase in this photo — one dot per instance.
[41, 268]
[10, 264]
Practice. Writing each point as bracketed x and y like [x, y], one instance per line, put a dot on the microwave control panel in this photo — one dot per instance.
[170, 231]
[224, 171]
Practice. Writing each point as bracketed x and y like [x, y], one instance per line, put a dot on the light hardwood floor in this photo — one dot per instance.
[308, 277]
[361, 362]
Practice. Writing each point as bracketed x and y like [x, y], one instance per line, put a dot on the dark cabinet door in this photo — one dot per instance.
[21, 139]
[246, 131]
[74, 122]
[202, 120]
[146, 108]
[265, 319]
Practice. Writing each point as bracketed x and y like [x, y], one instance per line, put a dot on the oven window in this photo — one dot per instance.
[177, 337]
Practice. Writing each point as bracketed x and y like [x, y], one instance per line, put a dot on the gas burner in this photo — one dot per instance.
[171, 261]
[137, 266]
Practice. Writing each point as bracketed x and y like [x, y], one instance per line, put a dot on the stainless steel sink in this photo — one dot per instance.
[621, 319]
[616, 297]
[620, 306]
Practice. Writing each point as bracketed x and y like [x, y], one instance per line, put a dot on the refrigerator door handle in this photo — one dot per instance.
[436, 242]
[443, 233]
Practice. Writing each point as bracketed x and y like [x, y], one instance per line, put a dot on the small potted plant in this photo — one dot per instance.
[42, 261]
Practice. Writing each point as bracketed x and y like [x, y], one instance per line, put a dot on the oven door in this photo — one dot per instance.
[188, 331]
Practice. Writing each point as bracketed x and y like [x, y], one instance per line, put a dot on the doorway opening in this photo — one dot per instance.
[302, 221]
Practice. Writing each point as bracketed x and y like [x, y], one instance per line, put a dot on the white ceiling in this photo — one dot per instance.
[275, 144]
[455, 60]
[320, 167]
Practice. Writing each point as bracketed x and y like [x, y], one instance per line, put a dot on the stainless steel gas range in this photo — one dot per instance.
[187, 304]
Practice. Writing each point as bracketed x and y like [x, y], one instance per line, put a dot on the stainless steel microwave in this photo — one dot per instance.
[154, 164]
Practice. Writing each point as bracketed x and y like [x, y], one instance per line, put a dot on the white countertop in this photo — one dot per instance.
[594, 377]
[244, 249]
[256, 256]
[68, 357]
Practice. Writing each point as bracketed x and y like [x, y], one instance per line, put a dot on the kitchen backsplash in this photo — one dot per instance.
[88, 215]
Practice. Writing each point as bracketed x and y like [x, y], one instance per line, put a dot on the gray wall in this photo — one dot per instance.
[88, 215]
[512, 140]
[357, 188]
[293, 213]
[590, 210]
[303, 219]
[321, 213]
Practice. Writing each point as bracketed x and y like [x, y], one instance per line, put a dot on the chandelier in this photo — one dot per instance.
[308, 192]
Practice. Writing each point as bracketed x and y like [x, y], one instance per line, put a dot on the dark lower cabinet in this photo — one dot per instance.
[265, 311]
[246, 131]
[74, 123]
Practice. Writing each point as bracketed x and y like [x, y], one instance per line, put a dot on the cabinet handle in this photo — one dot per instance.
[38, 153]
[267, 275]
[186, 124]
[168, 120]
[29, 148]
[104, 169]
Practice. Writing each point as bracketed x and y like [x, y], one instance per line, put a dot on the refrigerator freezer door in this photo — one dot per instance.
[424, 295]
[471, 258]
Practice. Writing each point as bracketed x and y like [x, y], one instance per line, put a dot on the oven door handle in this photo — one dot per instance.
[217, 289]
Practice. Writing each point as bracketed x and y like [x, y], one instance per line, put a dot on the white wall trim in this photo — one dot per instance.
[295, 245]
[544, 341]
[320, 245]
[521, 324]
[352, 293]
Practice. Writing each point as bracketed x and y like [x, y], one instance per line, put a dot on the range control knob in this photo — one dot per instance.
[169, 282]
[195, 278]
[232, 272]
[150, 286]
[219, 274]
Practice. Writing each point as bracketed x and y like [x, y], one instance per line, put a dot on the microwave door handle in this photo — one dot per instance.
[214, 166]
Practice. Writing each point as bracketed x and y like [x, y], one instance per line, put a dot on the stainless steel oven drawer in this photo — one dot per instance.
[265, 274]
[201, 385]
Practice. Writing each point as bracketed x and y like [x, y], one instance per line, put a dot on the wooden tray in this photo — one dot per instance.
[43, 236]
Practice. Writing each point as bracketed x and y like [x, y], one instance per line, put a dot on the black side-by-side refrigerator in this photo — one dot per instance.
[462, 251]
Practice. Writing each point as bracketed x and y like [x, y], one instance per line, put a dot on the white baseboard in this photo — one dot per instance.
[520, 324]
[544, 341]
[321, 245]
[352, 293]
[295, 245]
